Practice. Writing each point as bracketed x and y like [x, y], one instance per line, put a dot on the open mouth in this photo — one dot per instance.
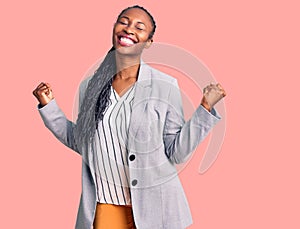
[126, 41]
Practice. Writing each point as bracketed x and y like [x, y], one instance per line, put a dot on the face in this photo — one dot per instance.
[131, 32]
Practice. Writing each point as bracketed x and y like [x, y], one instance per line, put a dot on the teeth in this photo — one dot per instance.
[126, 40]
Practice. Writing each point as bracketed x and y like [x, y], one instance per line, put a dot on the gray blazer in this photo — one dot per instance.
[158, 137]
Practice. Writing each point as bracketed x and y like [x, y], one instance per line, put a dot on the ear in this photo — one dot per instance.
[149, 43]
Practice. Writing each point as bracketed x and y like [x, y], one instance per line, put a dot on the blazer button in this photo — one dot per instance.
[131, 157]
[134, 182]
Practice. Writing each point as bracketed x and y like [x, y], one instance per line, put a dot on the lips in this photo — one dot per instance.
[126, 40]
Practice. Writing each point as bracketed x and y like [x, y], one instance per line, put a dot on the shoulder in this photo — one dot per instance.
[159, 75]
[159, 78]
[83, 85]
[82, 88]
[163, 85]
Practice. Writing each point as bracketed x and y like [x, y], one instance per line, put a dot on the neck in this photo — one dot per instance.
[127, 67]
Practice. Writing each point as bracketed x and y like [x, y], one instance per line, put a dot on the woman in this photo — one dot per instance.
[130, 133]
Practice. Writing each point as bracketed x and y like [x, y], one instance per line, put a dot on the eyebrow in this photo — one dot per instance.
[129, 19]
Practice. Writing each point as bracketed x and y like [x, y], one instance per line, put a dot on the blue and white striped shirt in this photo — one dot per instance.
[111, 155]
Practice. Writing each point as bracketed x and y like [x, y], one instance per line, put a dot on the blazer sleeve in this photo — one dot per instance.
[182, 137]
[56, 121]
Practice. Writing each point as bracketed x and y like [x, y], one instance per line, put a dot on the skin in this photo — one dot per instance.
[135, 24]
[43, 93]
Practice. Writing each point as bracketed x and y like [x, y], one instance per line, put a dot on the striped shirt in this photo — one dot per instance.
[111, 163]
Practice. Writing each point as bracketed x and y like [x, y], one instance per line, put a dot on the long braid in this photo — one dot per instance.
[95, 100]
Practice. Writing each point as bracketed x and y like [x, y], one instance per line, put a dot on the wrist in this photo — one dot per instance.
[44, 102]
[206, 106]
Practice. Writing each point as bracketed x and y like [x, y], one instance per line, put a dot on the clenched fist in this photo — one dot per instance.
[43, 93]
[212, 94]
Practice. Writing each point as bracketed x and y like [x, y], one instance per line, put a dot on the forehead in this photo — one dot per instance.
[137, 14]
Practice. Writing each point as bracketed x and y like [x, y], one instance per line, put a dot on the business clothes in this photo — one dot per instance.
[111, 216]
[111, 156]
[158, 138]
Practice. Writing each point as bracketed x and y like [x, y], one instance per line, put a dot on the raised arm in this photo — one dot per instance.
[53, 117]
[182, 137]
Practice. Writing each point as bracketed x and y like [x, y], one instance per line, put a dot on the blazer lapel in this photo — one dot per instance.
[140, 100]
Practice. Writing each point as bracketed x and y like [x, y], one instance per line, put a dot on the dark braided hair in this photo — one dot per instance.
[108, 70]
[97, 94]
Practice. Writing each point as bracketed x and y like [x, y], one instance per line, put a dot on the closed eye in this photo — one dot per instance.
[122, 22]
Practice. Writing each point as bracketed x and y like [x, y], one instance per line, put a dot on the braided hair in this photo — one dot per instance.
[97, 94]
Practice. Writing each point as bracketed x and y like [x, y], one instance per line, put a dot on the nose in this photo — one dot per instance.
[128, 29]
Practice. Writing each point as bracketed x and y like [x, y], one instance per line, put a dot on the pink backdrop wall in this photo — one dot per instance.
[251, 47]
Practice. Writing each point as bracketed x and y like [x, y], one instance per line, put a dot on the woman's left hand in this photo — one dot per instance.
[212, 94]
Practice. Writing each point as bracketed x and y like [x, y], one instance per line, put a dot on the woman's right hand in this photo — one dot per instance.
[43, 93]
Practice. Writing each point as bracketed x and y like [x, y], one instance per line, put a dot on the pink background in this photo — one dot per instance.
[252, 48]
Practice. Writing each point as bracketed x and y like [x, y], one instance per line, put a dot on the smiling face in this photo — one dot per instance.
[131, 32]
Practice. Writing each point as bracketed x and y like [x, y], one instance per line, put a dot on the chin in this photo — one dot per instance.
[134, 50]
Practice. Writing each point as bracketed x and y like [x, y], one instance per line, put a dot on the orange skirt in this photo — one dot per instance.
[113, 217]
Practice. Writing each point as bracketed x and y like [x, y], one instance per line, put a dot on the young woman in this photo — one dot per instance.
[130, 133]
